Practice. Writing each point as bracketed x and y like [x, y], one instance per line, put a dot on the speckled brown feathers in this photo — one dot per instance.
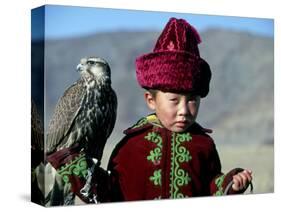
[66, 110]
[37, 132]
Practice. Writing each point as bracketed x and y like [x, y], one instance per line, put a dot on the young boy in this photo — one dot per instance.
[167, 154]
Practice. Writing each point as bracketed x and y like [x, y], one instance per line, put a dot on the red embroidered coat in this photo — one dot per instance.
[152, 162]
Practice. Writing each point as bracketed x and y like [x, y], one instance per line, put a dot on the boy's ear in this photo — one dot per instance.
[150, 101]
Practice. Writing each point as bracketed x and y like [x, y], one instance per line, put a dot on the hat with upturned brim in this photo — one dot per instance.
[175, 64]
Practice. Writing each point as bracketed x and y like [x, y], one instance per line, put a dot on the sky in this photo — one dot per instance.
[70, 21]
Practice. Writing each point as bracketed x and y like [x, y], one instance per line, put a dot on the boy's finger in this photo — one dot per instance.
[248, 174]
[237, 182]
[244, 179]
[234, 185]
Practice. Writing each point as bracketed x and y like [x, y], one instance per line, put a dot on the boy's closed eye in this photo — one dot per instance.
[173, 99]
[192, 100]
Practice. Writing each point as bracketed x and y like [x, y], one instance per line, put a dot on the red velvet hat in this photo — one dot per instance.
[175, 64]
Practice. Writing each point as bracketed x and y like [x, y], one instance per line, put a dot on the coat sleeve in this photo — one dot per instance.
[127, 167]
[125, 178]
[107, 186]
[220, 181]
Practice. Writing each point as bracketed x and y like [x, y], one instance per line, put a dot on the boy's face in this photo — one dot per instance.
[176, 112]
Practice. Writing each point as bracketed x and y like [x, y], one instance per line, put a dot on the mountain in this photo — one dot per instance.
[239, 107]
[241, 100]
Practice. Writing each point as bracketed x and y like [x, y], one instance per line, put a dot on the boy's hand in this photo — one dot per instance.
[241, 180]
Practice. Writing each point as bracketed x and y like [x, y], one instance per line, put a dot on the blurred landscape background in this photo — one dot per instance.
[239, 108]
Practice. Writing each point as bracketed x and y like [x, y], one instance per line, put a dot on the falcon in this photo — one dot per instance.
[86, 113]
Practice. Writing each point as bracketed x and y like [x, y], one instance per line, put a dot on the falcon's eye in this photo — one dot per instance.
[90, 62]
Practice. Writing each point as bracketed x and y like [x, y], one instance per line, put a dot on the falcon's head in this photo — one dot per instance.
[94, 68]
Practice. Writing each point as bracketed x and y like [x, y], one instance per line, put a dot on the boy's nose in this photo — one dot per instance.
[183, 108]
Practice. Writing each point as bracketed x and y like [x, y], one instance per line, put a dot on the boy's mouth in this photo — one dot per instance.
[185, 121]
[181, 123]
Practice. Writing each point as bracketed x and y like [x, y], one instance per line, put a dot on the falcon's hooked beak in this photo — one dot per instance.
[79, 67]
